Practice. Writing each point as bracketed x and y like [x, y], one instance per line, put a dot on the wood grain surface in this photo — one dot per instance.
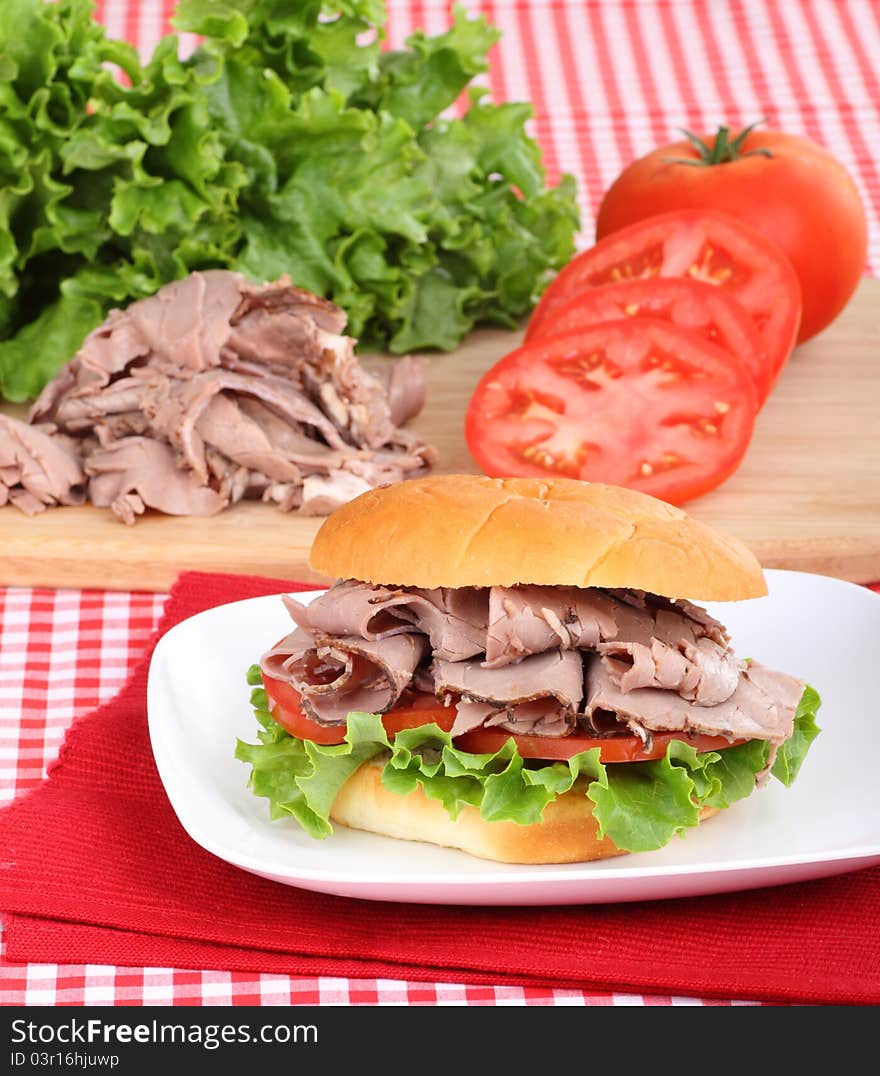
[807, 495]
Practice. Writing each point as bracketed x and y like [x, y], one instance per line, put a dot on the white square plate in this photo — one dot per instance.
[820, 629]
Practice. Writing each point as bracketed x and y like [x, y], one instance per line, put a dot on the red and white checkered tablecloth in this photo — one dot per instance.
[609, 79]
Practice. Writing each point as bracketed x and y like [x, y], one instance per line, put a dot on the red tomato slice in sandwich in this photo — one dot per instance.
[700, 245]
[286, 710]
[425, 709]
[637, 402]
[709, 311]
[614, 748]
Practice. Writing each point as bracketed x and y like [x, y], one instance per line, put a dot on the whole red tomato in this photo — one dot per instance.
[788, 188]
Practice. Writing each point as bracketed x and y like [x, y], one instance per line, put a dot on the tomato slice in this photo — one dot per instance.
[613, 748]
[636, 402]
[701, 245]
[419, 710]
[709, 311]
[284, 704]
[422, 709]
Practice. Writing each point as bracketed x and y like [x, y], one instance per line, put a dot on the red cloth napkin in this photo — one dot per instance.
[94, 867]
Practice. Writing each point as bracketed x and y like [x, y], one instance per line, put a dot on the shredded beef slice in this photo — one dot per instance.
[242, 390]
[539, 660]
[38, 470]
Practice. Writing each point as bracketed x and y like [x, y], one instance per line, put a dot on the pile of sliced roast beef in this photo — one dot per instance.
[539, 660]
[213, 390]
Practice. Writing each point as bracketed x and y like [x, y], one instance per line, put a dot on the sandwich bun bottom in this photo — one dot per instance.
[568, 832]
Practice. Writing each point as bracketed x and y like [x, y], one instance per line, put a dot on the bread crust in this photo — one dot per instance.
[568, 832]
[474, 531]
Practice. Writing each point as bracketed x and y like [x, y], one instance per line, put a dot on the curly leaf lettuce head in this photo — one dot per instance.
[289, 142]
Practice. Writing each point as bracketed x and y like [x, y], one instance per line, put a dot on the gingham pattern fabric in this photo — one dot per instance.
[609, 79]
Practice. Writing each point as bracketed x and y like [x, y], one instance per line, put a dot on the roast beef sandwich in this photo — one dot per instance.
[517, 668]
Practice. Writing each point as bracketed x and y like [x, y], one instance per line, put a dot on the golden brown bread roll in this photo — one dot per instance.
[567, 833]
[472, 531]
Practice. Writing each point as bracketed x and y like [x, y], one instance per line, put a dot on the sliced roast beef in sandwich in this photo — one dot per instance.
[518, 668]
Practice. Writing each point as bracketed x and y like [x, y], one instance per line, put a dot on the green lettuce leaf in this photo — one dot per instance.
[421, 82]
[639, 805]
[792, 753]
[301, 778]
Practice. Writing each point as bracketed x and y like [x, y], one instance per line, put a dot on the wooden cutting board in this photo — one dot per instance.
[806, 496]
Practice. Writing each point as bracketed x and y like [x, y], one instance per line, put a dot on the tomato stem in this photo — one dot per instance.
[723, 149]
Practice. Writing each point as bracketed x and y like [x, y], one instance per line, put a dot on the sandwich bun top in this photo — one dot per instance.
[474, 531]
